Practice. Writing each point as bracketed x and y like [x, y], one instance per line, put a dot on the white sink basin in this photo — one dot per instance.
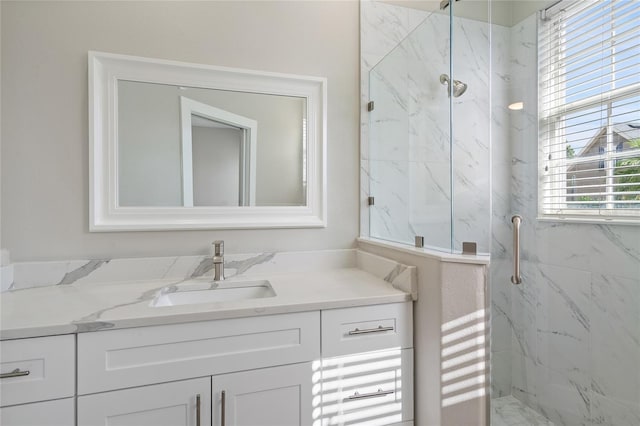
[194, 292]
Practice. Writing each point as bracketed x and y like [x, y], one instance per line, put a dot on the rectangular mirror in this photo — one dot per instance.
[188, 146]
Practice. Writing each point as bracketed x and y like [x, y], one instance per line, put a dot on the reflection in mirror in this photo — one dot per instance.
[217, 165]
[195, 147]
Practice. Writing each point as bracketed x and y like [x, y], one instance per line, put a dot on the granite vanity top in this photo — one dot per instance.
[80, 306]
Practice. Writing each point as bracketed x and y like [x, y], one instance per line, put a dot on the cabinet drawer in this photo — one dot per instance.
[368, 388]
[140, 356]
[60, 412]
[37, 369]
[367, 328]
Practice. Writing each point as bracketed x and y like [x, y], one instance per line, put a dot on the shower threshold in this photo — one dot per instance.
[508, 411]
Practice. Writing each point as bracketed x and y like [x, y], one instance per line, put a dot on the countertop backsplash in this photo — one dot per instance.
[23, 275]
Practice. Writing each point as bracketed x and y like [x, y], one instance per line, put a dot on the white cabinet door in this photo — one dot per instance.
[184, 403]
[277, 396]
[60, 412]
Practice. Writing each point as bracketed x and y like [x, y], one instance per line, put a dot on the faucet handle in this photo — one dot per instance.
[218, 248]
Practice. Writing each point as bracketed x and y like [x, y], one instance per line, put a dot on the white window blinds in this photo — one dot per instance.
[589, 109]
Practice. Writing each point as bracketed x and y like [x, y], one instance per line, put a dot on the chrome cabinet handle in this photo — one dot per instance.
[223, 408]
[15, 373]
[516, 278]
[377, 394]
[379, 329]
[198, 410]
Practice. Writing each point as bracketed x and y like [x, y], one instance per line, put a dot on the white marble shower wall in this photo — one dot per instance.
[574, 322]
[406, 140]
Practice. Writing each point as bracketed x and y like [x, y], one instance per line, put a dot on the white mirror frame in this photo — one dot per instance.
[106, 69]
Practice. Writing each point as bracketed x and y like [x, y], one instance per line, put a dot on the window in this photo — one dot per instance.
[589, 109]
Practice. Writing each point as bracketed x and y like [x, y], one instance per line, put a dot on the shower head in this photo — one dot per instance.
[458, 87]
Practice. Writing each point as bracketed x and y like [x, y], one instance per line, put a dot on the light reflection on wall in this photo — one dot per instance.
[464, 365]
[362, 389]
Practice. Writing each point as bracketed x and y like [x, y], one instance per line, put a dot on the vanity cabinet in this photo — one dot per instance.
[345, 366]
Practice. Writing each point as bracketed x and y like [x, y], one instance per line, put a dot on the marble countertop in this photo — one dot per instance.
[83, 307]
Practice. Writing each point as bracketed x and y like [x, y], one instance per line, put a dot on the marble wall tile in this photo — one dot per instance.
[389, 121]
[563, 344]
[389, 217]
[508, 411]
[365, 192]
[561, 401]
[471, 135]
[501, 227]
[523, 379]
[524, 302]
[609, 412]
[500, 286]
[382, 27]
[614, 250]
[562, 244]
[615, 338]
[430, 202]
[500, 374]
[472, 212]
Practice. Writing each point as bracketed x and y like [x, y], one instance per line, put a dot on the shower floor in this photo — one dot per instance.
[508, 411]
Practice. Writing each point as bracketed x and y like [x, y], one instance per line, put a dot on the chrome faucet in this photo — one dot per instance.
[218, 260]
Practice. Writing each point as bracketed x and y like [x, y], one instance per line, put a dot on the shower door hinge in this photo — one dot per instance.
[444, 4]
[370, 106]
[370, 201]
[469, 247]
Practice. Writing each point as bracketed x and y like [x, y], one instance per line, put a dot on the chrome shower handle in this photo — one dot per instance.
[516, 278]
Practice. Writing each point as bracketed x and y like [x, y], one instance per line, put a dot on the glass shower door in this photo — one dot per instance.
[410, 139]
[564, 342]
[430, 130]
[389, 148]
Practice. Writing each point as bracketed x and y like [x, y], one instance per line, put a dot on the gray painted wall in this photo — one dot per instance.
[44, 111]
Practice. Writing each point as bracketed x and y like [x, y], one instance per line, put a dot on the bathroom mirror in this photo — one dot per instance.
[188, 146]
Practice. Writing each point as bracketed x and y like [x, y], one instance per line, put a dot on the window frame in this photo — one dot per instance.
[551, 133]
